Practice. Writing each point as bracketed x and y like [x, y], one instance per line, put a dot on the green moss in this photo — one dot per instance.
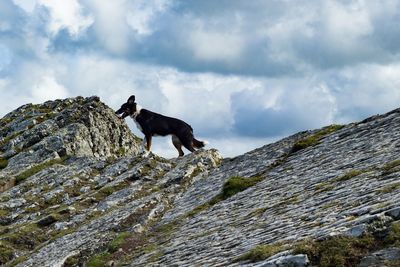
[390, 188]
[389, 167]
[323, 187]
[149, 248]
[155, 256]
[348, 175]
[393, 238]
[231, 187]
[118, 241]
[237, 184]
[196, 172]
[3, 163]
[71, 261]
[9, 138]
[17, 261]
[167, 229]
[6, 253]
[98, 260]
[315, 139]
[339, 251]
[106, 191]
[4, 212]
[27, 237]
[148, 167]
[260, 252]
[5, 121]
[290, 200]
[37, 168]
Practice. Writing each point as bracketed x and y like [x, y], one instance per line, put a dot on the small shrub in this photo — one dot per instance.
[388, 168]
[393, 238]
[338, 251]
[348, 175]
[27, 237]
[237, 184]
[260, 252]
[232, 186]
[6, 254]
[314, 139]
[323, 187]
[3, 163]
[71, 261]
[118, 241]
[98, 260]
[390, 188]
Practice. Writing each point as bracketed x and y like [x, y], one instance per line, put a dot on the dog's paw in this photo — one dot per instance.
[146, 154]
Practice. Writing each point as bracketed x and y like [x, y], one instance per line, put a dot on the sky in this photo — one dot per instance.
[242, 73]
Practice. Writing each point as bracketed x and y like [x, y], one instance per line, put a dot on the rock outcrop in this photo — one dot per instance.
[77, 191]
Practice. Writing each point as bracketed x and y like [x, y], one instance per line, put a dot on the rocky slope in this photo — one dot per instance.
[76, 191]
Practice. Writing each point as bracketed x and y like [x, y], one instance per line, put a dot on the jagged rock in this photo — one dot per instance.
[75, 187]
[382, 258]
[285, 261]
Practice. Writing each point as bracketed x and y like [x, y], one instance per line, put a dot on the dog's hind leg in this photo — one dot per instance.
[187, 142]
[177, 144]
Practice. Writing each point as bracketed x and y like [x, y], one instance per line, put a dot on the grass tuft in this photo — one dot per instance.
[3, 163]
[260, 252]
[231, 187]
[348, 175]
[37, 168]
[98, 260]
[315, 139]
[336, 251]
[389, 188]
[389, 167]
[393, 238]
[118, 241]
[237, 184]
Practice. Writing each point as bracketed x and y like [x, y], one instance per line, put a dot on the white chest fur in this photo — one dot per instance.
[134, 115]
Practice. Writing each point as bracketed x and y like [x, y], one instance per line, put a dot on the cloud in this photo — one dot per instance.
[365, 90]
[48, 88]
[66, 14]
[240, 72]
[257, 114]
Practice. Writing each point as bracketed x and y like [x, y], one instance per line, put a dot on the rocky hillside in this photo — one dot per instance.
[76, 191]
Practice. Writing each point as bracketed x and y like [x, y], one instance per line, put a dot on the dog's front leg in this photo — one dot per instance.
[148, 142]
[146, 145]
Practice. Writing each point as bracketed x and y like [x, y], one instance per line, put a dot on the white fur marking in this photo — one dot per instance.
[134, 115]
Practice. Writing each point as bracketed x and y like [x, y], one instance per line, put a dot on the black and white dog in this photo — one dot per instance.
[153, 124]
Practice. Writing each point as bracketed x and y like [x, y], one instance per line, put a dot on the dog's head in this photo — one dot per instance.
[128, 108]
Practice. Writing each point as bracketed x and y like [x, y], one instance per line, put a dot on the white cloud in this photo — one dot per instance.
[214, 46]
[141, 13]
[48, 88]
[240, 72]
[27, 5]
[110, 24]
[346, 25]
[66, 15]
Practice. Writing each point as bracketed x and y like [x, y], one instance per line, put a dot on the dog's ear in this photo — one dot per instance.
[131, 99]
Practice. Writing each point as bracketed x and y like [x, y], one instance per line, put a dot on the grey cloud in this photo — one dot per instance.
[277, 38]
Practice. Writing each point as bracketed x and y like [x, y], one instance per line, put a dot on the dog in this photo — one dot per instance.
[154, 124]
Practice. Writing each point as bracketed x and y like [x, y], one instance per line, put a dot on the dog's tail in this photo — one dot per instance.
[198, 144]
